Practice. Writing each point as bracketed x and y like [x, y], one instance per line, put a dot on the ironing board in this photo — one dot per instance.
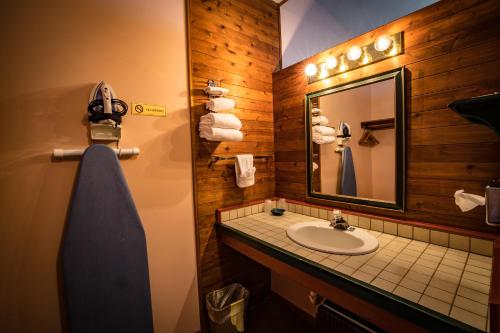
[104, 258]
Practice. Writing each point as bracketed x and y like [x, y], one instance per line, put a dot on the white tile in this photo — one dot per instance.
[233, 214]
[459, 242]
[439, 294]
[323, 214]
[476, 277]
[370, 269]
[421, 234]
[345, 269]
[388, 276]
[434, 304]
[329, 263]
[472, 294]
[390, 228]
[353, 220]
[481, 246]
[314, 212]
[468, 318]
[418, 276]
[471, 306]
[413, 285]
[483, 288]
[405, 230]
[241, 212]
[383, 284]
[224, 216]
[440, 238]
[248, 210]
[306, 210]
[444, 285]
[407, 293]
[478, 270]
[363, 276]
[364, 222]
[377, 225]
[255, 209]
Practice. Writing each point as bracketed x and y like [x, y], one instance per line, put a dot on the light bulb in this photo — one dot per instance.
[331, 62]
[383, 43]
[311, 69]
[323, 72]
[354, 53]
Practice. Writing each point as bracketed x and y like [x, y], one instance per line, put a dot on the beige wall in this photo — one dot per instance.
[53, 52]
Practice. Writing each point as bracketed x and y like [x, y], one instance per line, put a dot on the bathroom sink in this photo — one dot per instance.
[320, 236]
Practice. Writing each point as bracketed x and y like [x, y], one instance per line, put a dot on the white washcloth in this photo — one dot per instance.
[220, 104]
[467, 201]
[319, 120]
[324, 130]
[316, 111]
[216, 91]
[245, 171]
[220, 134]
[315, 166]
[220, 120]
[323, 139]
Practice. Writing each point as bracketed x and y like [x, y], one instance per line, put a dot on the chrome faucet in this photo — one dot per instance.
[338, 221]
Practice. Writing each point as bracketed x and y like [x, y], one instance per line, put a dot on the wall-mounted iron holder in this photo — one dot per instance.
[214, 159]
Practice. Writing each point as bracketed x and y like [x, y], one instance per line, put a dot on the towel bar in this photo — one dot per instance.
[214, 159]
[120, 152]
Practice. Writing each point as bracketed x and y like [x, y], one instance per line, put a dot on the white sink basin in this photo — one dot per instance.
[320, 236]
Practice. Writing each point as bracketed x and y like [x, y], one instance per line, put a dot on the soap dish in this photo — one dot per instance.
[277, 211]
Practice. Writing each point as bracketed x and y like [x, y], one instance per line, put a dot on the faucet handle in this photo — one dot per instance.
[337, 215]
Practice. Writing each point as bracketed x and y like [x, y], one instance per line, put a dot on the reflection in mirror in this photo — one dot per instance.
[356, 142]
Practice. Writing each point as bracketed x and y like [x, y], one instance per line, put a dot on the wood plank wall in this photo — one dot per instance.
[452, 51]
[236, 43]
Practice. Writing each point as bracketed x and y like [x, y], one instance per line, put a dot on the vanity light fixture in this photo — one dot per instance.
[311, 70]
[354, 53]
[383, 47]
[382, 43]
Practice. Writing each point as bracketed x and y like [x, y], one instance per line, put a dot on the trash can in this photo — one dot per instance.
[226, 309]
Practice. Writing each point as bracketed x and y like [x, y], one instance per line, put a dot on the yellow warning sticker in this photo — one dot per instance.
[141, 109]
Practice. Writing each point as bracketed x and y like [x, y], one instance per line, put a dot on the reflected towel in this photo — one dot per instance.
[319, 120]
[316, 111]
[220, 134]
[323, 130]
[220, 104]
[220, 120]
[348, 181]
[323, 139]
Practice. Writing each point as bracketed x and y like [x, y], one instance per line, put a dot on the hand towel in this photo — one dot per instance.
[220, 120]
[220, 134]
[319, 120]
[323, 130]
[245, 171]
[220, 104]
[323, 139]
[316, 111]
[216, 91]
[348, 179]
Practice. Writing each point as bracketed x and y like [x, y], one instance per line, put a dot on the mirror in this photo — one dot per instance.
[355, 142]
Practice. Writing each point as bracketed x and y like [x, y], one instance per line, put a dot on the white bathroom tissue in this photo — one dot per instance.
[467, 201]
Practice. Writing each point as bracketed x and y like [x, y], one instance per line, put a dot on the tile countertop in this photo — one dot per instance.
[451, 282]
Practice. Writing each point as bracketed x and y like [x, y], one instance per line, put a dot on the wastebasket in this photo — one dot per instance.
[226, 309]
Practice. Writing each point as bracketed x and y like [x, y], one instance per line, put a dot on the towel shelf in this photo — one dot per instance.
[214, 159]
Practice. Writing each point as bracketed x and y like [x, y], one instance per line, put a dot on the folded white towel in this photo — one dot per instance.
[315, 166]
[316, 111]
[245, 171]
[324, 130]
[323, 139]
[216, 91]
[220, 120]
[220, 104]
[220, 134]
[319, 120]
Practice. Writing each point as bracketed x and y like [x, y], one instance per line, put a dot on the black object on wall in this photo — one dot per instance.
[481, 110]
[105, 264]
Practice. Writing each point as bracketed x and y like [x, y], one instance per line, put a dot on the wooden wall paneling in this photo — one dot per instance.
[451, 52]
[235, 43]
